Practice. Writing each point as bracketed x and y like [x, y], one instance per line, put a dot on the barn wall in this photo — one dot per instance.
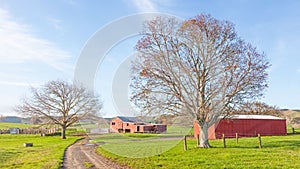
[147, 128]
[118, 125]
[211, 131]
[142, 129]
[196, 129]
[161, 128]
[251, 127]
[129, 127]
[245, 128]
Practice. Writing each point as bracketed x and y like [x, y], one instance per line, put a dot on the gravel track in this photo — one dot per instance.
[82, 155]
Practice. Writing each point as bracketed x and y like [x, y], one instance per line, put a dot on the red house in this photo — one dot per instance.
[121, 124]
[246, 126]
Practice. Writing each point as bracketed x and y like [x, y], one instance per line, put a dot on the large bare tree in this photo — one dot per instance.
[198, 67]
[61, 103]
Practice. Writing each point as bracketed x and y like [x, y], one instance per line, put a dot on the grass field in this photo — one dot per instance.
[4, 125]
[146, 144]
[47, 152]
[277, 152]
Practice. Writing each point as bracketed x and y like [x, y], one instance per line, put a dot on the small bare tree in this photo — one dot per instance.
[61, 103]
[199, 67]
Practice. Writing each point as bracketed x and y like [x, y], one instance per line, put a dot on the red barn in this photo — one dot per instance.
[246, 126]
[121, 124]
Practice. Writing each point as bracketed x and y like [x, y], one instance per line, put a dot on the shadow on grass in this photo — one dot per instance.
[291, 134]
[291, 144]
[284, 142]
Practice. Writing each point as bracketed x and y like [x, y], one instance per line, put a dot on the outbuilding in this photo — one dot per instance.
[121, 124]
[245, 126]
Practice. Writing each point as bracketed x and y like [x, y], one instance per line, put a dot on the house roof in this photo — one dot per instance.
[255, 117]
[129, 119]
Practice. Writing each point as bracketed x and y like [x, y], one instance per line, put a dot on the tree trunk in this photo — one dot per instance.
[63, 132]
[204, 136]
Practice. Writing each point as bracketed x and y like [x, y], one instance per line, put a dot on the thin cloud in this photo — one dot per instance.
[152, 5]
[71, 2]
[56, 23]
[145, 5]
[19, 45]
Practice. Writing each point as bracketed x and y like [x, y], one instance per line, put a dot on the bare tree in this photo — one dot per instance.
[259, 108]
[60, 102]
[198, 67]
[295, 122]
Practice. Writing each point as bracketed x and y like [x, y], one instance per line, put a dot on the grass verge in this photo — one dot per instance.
[47, 152]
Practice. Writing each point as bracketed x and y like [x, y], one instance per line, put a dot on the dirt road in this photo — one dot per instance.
[81, 155]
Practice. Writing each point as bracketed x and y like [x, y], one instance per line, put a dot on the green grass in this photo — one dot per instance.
[289, 129]
[47, 152]
[88, 164]
[141, 135]
[118, 138]
[4, 125]
[144, 144]
[277, 152]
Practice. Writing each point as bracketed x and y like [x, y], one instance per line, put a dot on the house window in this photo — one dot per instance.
[113, 123]
[127, 124]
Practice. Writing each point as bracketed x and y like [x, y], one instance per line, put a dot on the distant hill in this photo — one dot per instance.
[291, 113]
[14, 119]
[292, 117]
[109, 119]
[11, 119]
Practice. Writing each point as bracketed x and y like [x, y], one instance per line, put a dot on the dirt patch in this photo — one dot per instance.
[81, 155]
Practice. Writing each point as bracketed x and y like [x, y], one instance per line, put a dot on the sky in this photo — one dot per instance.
[43, 40]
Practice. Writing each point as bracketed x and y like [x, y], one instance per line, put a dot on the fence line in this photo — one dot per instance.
[28, 131]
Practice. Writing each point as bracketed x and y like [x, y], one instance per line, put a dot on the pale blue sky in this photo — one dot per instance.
[42, 40]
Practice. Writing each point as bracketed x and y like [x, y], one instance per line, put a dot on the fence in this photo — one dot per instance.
[29, 131]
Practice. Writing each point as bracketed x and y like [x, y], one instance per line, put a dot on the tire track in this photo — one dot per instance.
[82, 155]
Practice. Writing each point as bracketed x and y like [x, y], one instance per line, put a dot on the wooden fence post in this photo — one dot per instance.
[237, 138]
[293, 130]
[259, 141]
[184, 144]
[224, 141]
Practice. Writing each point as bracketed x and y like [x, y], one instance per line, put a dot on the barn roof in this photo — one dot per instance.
[256, 117]
[129, 119]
